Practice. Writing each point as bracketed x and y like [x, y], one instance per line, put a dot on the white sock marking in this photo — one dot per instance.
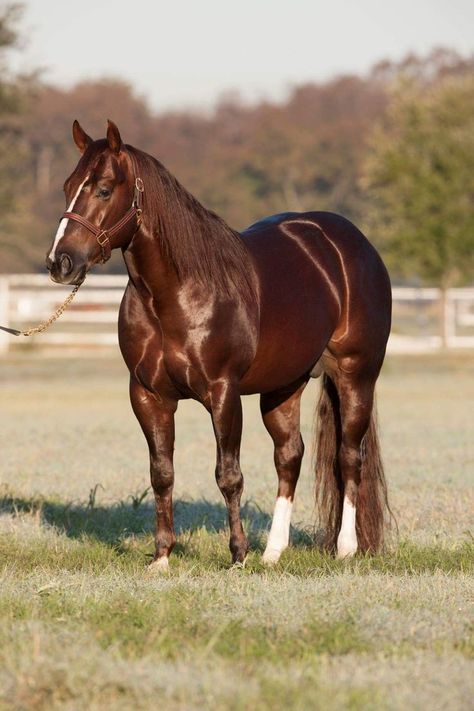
[64, 221]
[279, 535]
[347, 538]
[160, 565]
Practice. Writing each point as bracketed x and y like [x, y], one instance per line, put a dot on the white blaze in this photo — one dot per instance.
[279, 536]
[347, 538]
[64, 221]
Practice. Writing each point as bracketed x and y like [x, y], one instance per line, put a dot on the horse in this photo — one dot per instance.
[213, 314]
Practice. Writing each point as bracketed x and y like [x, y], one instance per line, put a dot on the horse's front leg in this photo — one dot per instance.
[156, 417]
[226, 411]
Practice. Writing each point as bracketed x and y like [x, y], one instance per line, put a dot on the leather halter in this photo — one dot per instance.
[102, 235]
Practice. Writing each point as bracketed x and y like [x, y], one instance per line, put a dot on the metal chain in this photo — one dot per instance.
[46, 324]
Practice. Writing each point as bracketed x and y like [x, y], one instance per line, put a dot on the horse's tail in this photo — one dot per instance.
[372, 510]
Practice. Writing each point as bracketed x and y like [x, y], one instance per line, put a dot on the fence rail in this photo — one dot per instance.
[90, 323]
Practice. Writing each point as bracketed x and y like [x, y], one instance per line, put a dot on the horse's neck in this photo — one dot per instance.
[151, 273]
[187, 245]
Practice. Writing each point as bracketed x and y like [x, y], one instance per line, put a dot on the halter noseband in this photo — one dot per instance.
[103, 236]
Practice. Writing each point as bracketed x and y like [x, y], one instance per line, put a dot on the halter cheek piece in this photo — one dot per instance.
[103, 236]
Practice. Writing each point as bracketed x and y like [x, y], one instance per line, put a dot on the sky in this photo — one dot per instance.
[184, 53]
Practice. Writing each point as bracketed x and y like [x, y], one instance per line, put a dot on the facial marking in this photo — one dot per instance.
[279, 536]
[347, 538]
[63, 224]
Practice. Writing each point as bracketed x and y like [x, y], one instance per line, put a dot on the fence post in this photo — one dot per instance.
[450, 318]
[4, 313]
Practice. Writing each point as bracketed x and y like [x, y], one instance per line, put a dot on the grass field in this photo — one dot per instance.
[83, 626]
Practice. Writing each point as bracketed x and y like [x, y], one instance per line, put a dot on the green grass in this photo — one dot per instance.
[122, 534]
[83, 625]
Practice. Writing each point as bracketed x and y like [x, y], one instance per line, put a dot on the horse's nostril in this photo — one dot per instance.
[49, 263]
[65, 264]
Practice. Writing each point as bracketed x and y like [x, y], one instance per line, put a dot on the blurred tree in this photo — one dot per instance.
[420, 179]
[13, 149]
[244, 161]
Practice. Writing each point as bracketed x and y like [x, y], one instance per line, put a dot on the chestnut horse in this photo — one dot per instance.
[212, 314]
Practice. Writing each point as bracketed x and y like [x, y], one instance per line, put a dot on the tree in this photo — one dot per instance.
[14, 201]
[244, 161]
[419, 177]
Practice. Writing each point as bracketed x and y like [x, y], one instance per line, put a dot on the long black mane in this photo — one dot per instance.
[198, 243]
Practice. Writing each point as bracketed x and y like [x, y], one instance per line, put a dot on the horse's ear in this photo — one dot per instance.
[81, 139]
[113, 137]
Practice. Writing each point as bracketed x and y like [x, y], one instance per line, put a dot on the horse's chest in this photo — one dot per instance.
[184, 363]
[187, 349]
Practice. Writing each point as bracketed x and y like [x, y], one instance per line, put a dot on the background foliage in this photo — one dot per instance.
[420, 176]
[391, 150]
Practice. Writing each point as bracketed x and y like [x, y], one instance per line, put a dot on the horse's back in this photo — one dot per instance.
[270, 220]
[332, 225]
[337, 249]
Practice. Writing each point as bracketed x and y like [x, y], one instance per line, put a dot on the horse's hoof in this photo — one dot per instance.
[346, 550]
[271, 556]
[160, 566]
[239, 565]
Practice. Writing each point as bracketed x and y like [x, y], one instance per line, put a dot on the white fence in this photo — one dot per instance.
[90, 323]
[420, 318]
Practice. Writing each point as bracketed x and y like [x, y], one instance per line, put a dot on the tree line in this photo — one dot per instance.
[391, 151]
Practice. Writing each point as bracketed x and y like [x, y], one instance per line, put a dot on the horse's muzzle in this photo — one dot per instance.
[62, 270]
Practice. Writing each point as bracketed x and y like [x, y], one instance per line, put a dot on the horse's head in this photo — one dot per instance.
[103, 198]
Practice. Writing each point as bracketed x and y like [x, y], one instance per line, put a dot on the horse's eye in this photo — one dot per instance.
[103, 193]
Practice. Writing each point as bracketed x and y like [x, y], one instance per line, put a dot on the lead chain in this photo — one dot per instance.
[46, 324]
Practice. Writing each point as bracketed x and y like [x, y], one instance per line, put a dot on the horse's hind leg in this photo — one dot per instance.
[356, 396]
[281, 416]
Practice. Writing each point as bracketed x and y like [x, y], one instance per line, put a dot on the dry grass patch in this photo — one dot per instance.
[82, 625]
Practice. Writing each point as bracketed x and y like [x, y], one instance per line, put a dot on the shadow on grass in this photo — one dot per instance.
[124, 532]
[111, 524]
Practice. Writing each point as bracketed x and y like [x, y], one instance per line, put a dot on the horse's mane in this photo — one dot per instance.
[198, 243]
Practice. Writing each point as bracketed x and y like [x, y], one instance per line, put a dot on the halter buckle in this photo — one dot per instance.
[102, 238]
[138, 194]
[104, 244]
